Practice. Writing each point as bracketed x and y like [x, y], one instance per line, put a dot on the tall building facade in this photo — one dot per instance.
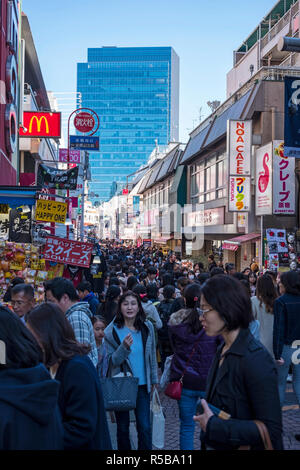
[135, 92]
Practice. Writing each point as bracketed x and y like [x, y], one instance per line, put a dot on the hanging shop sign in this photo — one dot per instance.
[53, 178]
[84, 143]
[84, 122]
[19, 226]
[74, 156]
[36, 124]
[68, 251]
[146, 242]
[263, 180]
[239, 194]
[239, 141]
[292, 117]
[51, 211]
[284, 197]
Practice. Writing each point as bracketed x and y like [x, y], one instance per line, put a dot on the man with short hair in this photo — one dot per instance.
[85, 294]
[230, 269]
[62, 292]
[211, 262]
[22, 300]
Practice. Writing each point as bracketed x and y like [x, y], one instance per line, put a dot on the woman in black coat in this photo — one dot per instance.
[80, 398]
[243, 378]
[29, 413]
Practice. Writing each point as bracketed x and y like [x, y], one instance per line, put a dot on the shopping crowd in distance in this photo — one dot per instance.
[219, 341]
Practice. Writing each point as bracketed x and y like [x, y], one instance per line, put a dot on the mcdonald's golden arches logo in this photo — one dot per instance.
[41, 125]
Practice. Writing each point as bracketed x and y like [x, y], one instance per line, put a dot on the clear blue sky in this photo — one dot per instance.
[203, 33]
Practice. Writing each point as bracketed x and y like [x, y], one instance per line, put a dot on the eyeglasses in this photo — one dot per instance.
[202, 311]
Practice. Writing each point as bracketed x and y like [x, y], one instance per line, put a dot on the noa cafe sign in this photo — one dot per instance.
[239, 141]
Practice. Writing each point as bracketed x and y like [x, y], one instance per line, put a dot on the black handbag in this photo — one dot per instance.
[119, 393]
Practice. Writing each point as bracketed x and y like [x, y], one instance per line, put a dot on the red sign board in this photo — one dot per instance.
[41, 125]
[74, 156]
[84, 122]
[125, 191]
[67, 251]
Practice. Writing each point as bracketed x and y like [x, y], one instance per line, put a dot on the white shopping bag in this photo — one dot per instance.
[158, 422]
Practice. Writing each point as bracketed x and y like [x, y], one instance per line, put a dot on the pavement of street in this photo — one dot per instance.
[290, 415]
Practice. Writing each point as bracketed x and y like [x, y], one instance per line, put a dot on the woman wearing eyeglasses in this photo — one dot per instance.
[243, 378]
[193, 354]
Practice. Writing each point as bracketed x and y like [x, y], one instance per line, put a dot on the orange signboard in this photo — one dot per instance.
[40, 125]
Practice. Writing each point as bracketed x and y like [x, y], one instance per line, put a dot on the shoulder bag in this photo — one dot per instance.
[119, 392]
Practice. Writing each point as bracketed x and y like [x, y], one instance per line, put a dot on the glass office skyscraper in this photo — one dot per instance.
[135, 92]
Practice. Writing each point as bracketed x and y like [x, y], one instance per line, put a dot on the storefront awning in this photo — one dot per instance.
[16, 196]
[234, 243]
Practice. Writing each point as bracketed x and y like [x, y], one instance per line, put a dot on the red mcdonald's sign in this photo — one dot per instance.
[40, 125]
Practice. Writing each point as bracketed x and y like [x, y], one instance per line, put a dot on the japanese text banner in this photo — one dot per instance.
[283, 181]
[51, 211]
[68, 251]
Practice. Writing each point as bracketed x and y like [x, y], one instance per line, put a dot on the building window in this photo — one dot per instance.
[208, 179]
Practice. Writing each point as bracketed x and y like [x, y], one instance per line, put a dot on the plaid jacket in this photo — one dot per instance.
[79, 316]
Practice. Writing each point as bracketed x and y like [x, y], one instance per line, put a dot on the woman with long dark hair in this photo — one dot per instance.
[80, 397]
[287, 331]
[262, 309]
[193, 349]
[242, 380]
[130, 339]
[109, 309]
[30, 418]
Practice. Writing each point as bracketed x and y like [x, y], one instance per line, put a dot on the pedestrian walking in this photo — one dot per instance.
[99, 325]
[287, 330]
[243, 379]
[85, 294]
[30, 418]
[262, 309]
[193, 354]
[22, 300]
[164, 310]
[80, 398]
[109, 308]
[62, 292]
[130, 339]
[148, 307]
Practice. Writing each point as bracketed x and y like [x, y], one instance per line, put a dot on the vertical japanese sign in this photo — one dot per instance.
[239, 138]
[263, 186]
[239, 194]
[239, 141]
[68, 251]
[292, 117]
[283, 181]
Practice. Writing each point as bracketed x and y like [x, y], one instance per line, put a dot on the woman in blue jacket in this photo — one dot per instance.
[80, 398]
[287, 331]
[30, 418]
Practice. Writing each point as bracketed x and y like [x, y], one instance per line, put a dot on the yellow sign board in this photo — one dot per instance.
[51, 211]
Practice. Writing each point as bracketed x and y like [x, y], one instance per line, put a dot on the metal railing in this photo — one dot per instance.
[286, 19]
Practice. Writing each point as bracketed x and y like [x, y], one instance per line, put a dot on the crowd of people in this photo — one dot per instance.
[227, 336]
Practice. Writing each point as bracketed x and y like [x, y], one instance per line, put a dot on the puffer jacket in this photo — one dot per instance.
[183, 341]
[118, 353]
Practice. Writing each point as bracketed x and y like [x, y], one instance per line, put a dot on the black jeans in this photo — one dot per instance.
[142, 415]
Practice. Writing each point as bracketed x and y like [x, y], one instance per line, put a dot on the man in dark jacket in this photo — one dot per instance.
[85, 294]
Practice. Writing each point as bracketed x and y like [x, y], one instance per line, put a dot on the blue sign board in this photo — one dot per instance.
[292, 117]
[84, 143]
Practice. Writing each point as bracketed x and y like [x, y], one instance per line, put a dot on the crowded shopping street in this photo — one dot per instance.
[149, 229]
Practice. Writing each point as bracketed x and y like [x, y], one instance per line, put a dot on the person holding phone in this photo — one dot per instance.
[130, 339]
[242, 380]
